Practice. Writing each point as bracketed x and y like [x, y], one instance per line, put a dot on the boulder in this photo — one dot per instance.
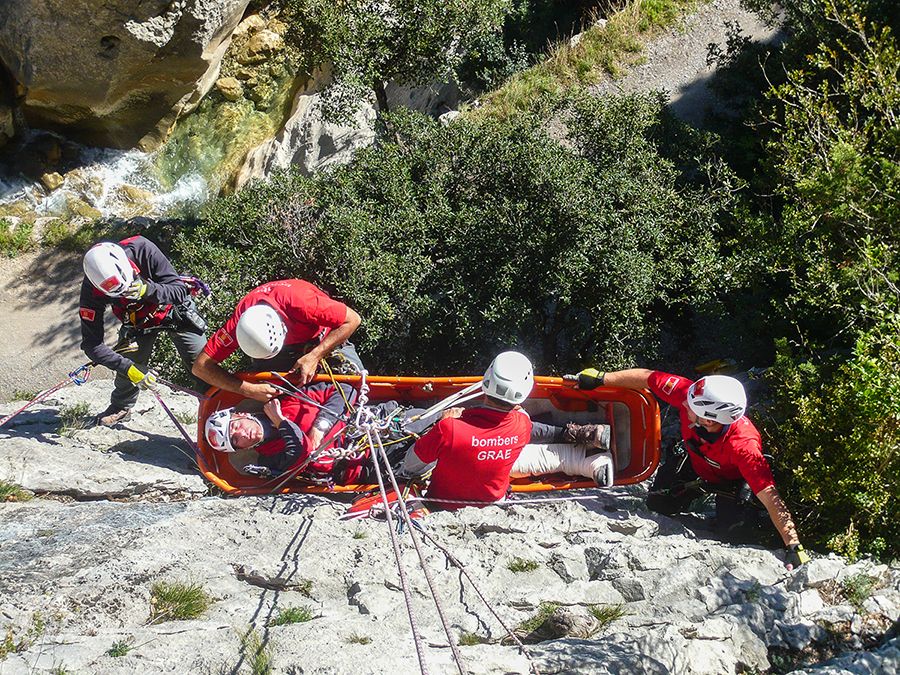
[114, 72]
[230, 88]
[309, 143]
[259, 47]
[52, 181]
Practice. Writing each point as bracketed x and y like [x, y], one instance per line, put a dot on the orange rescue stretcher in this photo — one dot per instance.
[632, 415]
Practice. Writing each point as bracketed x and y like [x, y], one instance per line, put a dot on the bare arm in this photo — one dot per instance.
[780, 515]
[211, 372]
[306, 365]
[633, 378]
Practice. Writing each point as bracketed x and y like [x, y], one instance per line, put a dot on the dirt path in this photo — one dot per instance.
[676, 61]
[39, 321]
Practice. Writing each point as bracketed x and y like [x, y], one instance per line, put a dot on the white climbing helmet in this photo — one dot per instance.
[510, 378]
[261, 332]
[108, 268]
[217, 430]
[719, 398]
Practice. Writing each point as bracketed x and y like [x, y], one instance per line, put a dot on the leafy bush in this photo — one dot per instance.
[456, 242]
[15, 238]
[839, 438]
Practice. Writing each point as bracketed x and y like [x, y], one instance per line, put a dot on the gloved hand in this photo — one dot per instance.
[590, 378]
[796, 556]
[142, 380]
[136, 291]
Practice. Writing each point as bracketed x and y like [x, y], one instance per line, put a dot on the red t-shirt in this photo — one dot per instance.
[306, 310]
[475, 453]
[737, 451]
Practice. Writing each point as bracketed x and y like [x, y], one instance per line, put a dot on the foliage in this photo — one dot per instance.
[356, 639]
[858, 588]
[606, 615]
[831, 249]
[15, 238]
[455, 242]
[119, 648]
[368, 44]
[173, 601]
[840, 436]
[11, 643]
[72, 418]
[10, 492]
[289, 615]
[522, 565]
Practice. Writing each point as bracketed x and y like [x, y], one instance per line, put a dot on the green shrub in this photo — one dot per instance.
[454, 243]
[467, 639]
[356, 639]
[173, 601]
[858, 588]
[15, 239]
[258, 652]
[836, 430]
[606, 615]
[120, 648]
[73, 418]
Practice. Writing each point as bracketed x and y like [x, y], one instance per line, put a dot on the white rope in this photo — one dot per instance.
[470, 392]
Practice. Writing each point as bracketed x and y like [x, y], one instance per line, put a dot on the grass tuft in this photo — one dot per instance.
[10, 492]
[544, 610]
[257, 652]
[25, 394]
[289, 615]
[186, 416]
[173, 601]
[360, 534]
[357, 639]
[119, 648]
[467, 639]
[606, 615]
[72, 418]
[522, 565]
[858, 588]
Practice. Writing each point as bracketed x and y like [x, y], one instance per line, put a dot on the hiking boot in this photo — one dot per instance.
[113, 416]
[588, 435]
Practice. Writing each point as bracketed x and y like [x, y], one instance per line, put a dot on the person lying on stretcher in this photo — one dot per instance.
[292, 429]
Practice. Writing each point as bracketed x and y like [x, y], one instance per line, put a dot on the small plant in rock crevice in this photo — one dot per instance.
[290, 615]
[257, 652]
[858, 588]
[10, 492]
[519, 565]
[606, 615]
[172, 601]
[531, 624]
[119, 648]
[357, 639]
[467, 639]
[72, 418]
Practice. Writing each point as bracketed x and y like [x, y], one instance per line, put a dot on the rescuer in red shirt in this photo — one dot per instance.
[286, 325]
[724, 449]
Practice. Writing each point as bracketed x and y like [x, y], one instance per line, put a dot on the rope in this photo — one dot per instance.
[428, 578]
[78, 376]
[183, 390]
[403, 581]
[191, 443]
[456, 563]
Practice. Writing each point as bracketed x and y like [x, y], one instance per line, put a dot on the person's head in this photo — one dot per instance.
[230, 431]
[260, 332]
[716, 400]
[108, 269]
[509, 379]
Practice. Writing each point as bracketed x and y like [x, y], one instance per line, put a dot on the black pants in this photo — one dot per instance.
[676, 485]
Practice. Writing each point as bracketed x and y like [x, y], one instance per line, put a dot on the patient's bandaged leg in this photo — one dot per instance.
[540, 458]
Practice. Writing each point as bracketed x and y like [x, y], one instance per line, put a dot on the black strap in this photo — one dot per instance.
[693, 445]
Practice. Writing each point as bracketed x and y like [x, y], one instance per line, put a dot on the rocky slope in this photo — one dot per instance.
[122, 510]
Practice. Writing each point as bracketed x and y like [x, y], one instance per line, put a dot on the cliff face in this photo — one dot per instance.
[599, 586]
[113, 73]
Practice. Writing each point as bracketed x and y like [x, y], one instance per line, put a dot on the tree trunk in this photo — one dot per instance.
[381, 97]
